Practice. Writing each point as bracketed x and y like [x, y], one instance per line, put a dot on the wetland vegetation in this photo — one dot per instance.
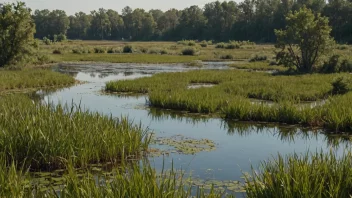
[302, 80]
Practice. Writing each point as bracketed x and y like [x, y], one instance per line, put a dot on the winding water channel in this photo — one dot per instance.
[238, 145]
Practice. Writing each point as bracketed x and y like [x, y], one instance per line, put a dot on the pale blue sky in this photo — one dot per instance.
[72, 6]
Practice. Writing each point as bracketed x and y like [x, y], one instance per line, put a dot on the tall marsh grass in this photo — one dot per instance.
[233, 93]
[130, 181]
[45, 137]
[311, 175]
[32, 78]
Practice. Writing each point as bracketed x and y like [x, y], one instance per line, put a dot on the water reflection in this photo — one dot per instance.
[238, 145]
[284, 133]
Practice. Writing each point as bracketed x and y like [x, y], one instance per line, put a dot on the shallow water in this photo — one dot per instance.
[238, 145]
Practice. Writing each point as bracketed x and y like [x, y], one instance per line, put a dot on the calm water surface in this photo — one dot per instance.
[239, 145]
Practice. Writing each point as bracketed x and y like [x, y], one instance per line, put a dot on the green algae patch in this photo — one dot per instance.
[181, 145]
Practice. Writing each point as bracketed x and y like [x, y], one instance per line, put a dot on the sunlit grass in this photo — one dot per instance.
[230, 96]
[125, 181]
[32, 78]
[310, 175]
[45, 137]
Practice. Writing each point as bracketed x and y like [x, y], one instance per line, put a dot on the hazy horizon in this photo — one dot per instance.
[73, 6]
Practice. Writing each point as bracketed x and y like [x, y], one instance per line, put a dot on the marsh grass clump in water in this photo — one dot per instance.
[231, 96]
[44, 137]
[32, 78]
[309, 175]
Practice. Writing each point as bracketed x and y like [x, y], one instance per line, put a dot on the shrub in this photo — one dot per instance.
[227, 56]
[340, 86]
[346, 66]
[127, 49]
[232, 46]
[204, 44]
[113, 51]
[57, 51]
[163, 51]
[154, 51]
[220, 45]
[331, 66]
[59, 38]
[47, 41]
[258, 57]
[99, 50]
[144, 50]
[189, 52]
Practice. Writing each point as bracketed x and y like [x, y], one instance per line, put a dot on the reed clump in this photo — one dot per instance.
[309, 175]
[126, 181]
[45, 136]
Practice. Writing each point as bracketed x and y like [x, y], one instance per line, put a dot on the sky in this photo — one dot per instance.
[73, 6]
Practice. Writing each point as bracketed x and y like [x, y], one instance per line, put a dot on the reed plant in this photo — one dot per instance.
[125, 181]
[317, 175]
[45, 136]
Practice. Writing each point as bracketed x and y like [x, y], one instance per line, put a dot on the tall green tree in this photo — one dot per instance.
[340, 17]
[79, 26]
[304, 40]
[100, 25]
[168, 23]
[143, 25]
[192, 23]
[17, 30]
[51, 23]
[116, 24]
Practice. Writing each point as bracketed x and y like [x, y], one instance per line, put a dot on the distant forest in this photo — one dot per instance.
[253, 20]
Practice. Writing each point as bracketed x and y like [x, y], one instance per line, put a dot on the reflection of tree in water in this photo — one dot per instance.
[92, 75]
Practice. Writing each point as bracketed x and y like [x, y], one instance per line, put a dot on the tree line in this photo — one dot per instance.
[253, 20]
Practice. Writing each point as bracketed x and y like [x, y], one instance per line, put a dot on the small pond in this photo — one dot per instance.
[234, 146]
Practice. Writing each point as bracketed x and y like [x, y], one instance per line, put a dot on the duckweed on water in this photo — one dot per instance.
[181, 144]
